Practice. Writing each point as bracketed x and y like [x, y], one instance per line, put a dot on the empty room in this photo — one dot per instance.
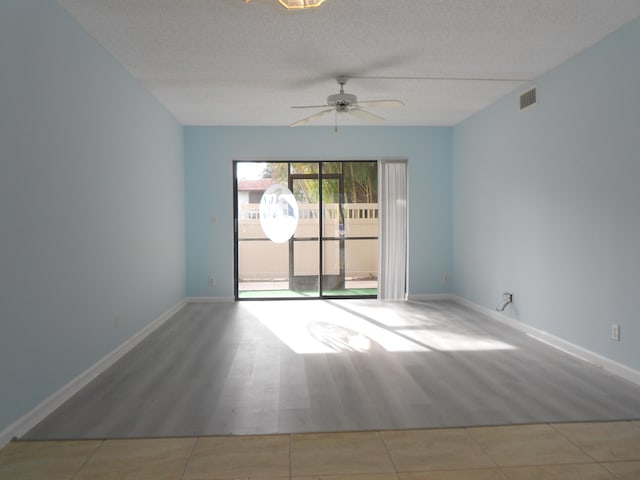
[319, 239]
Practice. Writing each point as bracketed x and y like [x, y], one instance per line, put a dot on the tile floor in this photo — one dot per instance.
[584, 451]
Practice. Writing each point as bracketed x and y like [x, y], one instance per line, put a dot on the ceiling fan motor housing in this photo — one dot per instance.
[342, 101]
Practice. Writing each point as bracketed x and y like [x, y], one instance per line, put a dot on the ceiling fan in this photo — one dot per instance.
[347, 103]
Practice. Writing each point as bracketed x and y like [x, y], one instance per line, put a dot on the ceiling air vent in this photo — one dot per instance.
[528, 98]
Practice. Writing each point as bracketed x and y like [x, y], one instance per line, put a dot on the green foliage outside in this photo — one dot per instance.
[360, 180]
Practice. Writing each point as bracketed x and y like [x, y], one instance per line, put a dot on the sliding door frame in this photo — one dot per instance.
[320, 176]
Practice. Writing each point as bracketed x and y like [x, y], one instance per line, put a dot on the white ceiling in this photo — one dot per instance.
[227, 62]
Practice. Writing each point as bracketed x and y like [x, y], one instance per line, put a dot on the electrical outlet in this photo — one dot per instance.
[615, 332]
[212, 281]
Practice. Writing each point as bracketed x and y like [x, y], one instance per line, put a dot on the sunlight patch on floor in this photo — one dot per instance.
[443, 340]
[323, 327]
[318, 327]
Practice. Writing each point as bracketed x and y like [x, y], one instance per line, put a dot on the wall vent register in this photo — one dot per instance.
[528, 98]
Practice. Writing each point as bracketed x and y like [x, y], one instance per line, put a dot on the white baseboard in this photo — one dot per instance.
[210, 299]
[577, 351]
[53, 401]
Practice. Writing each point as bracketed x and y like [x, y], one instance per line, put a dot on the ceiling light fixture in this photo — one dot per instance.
[300, 4]
[297, 4]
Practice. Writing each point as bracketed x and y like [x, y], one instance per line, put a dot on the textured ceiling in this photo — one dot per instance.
[227, 62]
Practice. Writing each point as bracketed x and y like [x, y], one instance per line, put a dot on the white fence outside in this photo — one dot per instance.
[260, 259]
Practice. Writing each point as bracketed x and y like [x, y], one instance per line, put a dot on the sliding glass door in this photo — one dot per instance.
[306, 229]
[304, 249]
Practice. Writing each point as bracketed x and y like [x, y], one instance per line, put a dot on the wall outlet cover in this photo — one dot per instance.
[615, 332]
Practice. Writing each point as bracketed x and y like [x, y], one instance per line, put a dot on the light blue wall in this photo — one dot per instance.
[546, 202]
[209, 152]
[91, 204]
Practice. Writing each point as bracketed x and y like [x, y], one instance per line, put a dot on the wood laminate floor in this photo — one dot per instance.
[326, 366]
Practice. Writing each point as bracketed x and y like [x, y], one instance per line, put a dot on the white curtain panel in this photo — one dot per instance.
[392, 208]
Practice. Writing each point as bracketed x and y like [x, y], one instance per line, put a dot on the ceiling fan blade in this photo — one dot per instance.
[381, 103]
[365, 116]
[311, 106]
[311, 117]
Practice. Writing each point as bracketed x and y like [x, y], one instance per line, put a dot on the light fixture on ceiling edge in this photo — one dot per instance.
[297, 4]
